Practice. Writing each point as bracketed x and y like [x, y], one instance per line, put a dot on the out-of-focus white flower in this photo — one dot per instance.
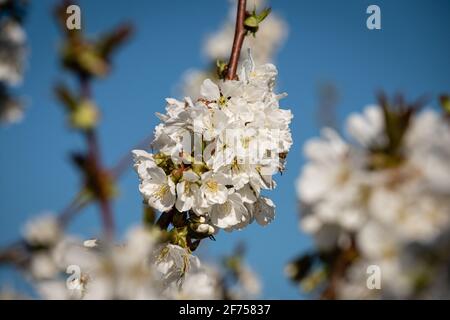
[328, 168]
[8, 292]
[11, 109]
[330, 183]
[248, 285]
[429, 153]
[269, 38]
[55, 290]
[43, 266]
[12, 51]
[200, 285]
[173, 261]
[42, 231]
[387, 197]
[91, 243]
[141, 268]
[249, 281]
[367, 128]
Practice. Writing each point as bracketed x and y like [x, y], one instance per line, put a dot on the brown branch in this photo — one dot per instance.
[99, 183]
[99, 171]
[341, 262]
[15, 253]
[239, 36]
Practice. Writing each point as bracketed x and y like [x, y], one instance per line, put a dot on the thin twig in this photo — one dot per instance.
[80, 201]
[15, 253]
[239, 36]
[102, 194]
[94, 156]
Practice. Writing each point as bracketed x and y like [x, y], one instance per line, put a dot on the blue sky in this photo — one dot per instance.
[328, 42]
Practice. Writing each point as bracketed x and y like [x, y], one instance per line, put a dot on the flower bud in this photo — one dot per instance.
[84, 116]
[205, 228]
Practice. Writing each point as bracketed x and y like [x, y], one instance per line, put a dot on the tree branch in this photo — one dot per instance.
[99, 184]
[239, 36]
[94, 157]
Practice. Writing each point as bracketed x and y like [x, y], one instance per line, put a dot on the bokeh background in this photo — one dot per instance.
[328, 44]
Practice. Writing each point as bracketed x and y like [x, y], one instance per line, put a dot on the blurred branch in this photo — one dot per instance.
[17, 253]
[88, 59]
[338, 265]
[81, 200]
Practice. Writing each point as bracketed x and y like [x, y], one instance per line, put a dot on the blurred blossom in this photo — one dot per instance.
[249, 285]
[386, 190]
[264, 45]
[11, 108]
[7, 293]
[140, 268]
[43, 230]
[12, 51]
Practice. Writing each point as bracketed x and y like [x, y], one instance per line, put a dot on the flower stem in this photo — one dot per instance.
[239, 36]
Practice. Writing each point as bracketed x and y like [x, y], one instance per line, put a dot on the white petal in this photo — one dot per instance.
[210, 90]
[264, 211]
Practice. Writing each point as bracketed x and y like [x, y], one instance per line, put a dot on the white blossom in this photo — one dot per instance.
[389, 203]
[43, 230]
[158, 189]
[11, 109]
[12, 51]
[214, 155]
[140, 268]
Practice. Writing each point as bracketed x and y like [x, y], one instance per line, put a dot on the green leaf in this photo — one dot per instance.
[221, 68]
[84, 116]
[263, 14]
[112, 40]
[251, 21]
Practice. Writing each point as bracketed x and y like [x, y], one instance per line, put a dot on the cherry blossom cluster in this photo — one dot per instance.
[216, 154]
[382, 198]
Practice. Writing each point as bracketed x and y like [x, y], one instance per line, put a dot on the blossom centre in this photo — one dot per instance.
[161, 192]
[212, 186]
